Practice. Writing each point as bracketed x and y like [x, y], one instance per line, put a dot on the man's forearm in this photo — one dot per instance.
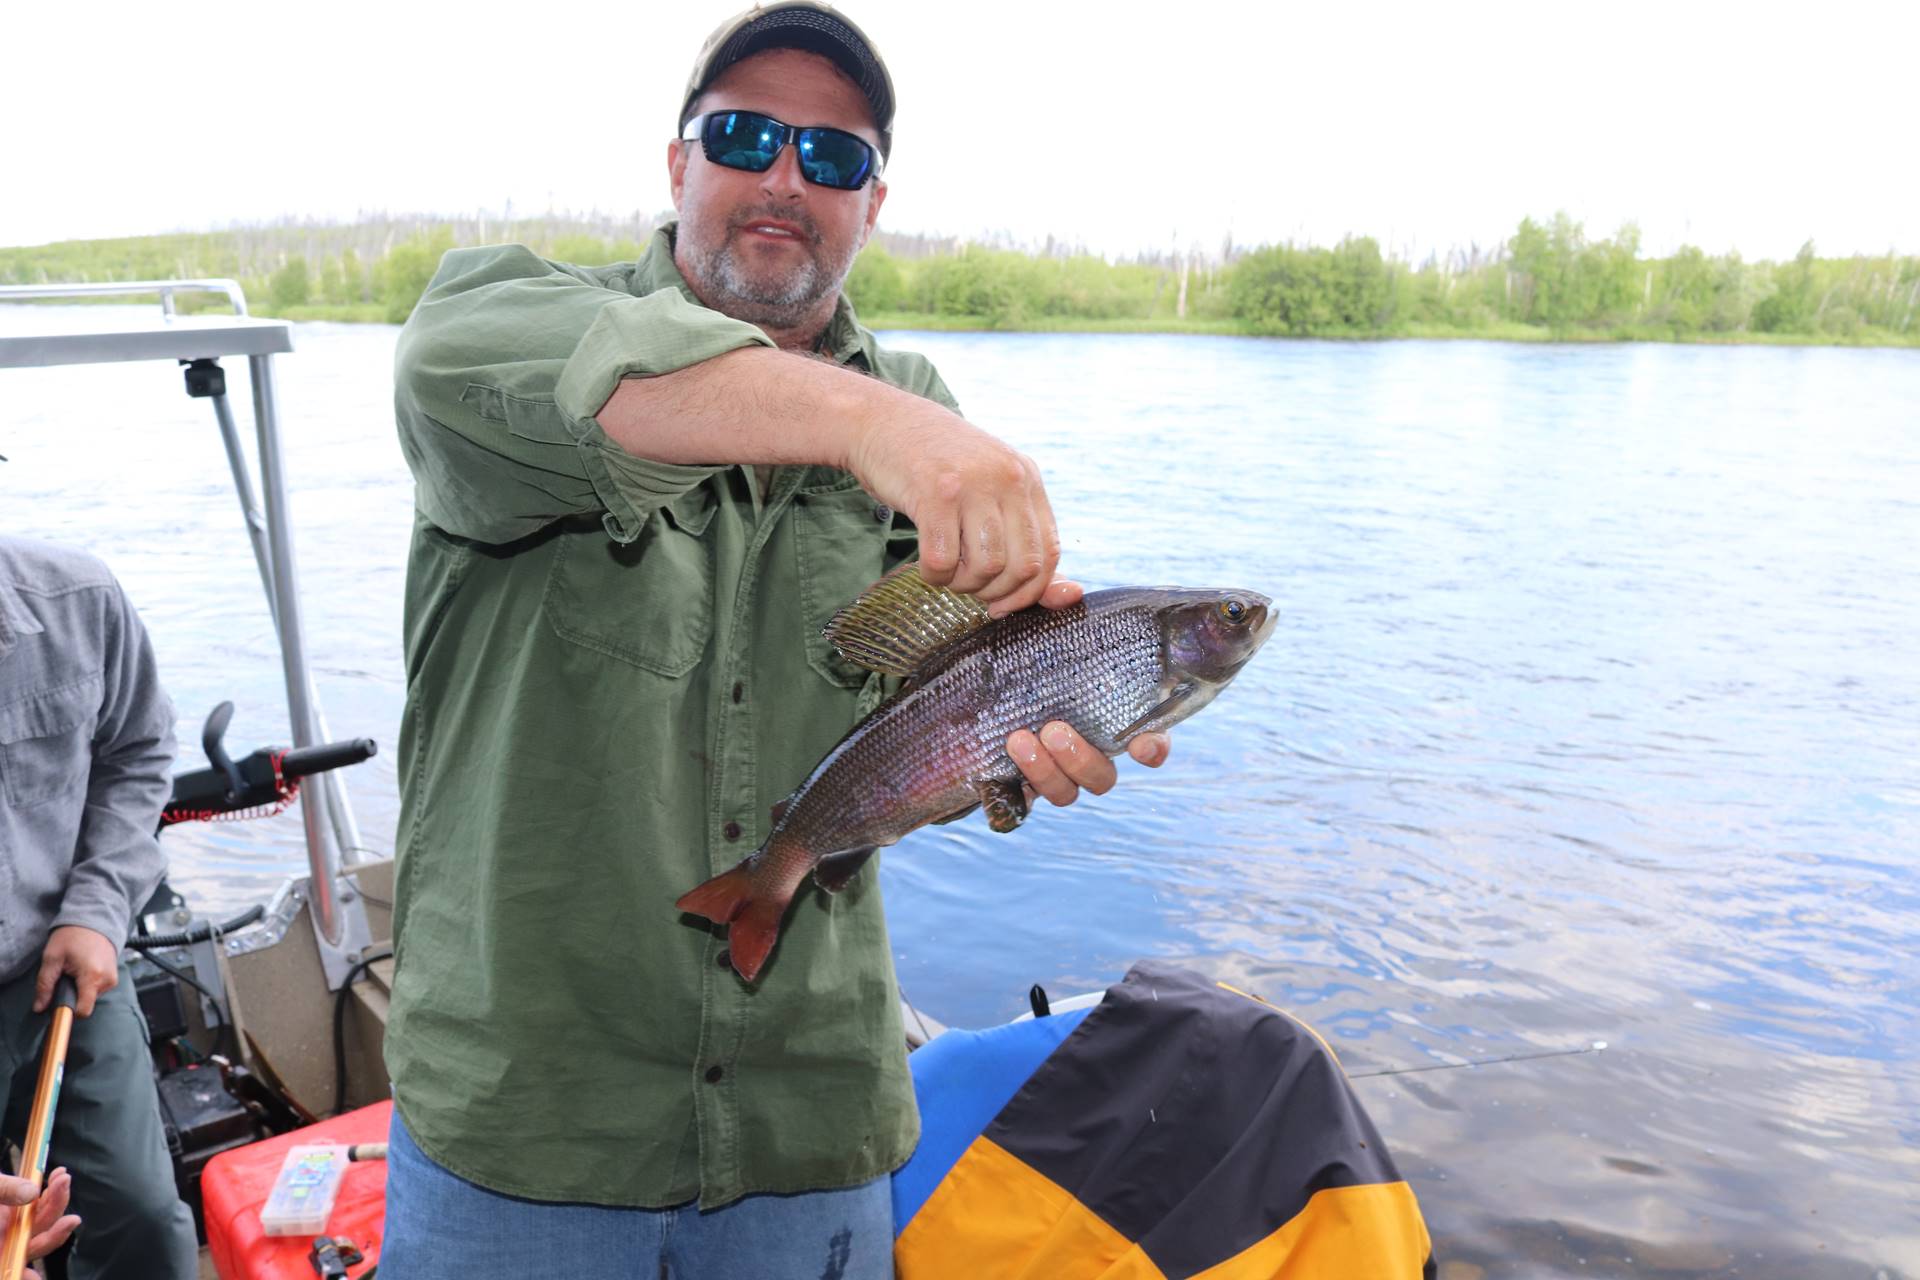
[756, 405]
[985, 525]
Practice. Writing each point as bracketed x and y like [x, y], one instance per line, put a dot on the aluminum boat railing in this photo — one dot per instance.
[332, 836]
[165, 288]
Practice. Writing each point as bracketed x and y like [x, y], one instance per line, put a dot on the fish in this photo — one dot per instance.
[1117, 664]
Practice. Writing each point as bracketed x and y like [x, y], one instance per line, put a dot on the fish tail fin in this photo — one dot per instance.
[740, 899]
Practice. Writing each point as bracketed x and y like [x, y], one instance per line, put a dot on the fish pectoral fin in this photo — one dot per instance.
[1005, 802]
[833, 871]
[1162, 715]
[899, 622]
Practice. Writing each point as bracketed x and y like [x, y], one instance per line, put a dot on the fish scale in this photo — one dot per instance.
[1115, 664]
[1095, 665]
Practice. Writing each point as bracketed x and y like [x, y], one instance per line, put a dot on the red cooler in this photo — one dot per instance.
[236, 1184]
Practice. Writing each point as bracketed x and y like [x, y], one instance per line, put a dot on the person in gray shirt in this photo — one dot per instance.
[86, 744]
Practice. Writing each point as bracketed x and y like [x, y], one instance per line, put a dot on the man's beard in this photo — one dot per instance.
[724, 279]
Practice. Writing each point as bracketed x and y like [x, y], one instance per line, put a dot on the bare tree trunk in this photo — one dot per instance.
[1180, 307]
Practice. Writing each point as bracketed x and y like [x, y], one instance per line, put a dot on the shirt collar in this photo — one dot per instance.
[847, 340]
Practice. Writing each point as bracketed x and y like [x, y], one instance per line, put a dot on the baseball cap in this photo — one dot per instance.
[797, 24]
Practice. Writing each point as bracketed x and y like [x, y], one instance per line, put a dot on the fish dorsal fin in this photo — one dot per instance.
[899, 622]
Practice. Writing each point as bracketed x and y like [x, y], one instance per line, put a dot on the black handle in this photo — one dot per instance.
[233, 786]
[65, 994]
[302, 762]
[212, 741]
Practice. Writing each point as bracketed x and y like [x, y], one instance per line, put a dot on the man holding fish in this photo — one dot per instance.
[643, 491]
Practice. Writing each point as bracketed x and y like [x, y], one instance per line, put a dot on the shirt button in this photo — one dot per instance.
[739, 690]
[714, 1074]
[882, 512]
[731, 831]
[724, 958]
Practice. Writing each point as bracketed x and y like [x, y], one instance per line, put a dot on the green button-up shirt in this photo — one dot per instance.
[614, 671]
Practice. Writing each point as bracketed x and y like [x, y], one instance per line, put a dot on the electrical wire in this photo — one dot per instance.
[353, 874]
[340, 1026]
[220, 1010]
[199, 933]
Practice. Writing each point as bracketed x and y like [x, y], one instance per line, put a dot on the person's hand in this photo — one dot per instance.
[986, 527]
[93, 960]
[52, 1224]
[1060, 593]
[1057, 762]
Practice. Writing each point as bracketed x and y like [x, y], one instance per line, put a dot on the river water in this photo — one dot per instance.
[1592, 715]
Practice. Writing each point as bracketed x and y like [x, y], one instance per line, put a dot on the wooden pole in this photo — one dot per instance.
[33, 1155]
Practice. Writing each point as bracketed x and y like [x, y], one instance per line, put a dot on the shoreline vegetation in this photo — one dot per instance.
[1548, 282]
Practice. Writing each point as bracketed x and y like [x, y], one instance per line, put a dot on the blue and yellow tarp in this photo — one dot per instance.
[1179, 1130]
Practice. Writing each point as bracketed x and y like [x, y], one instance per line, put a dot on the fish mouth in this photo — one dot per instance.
[1264, 628]
[1264, 618]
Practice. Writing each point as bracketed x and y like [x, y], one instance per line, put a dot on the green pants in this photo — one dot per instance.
[106, 1132]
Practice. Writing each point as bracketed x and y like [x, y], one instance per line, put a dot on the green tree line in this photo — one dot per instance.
[1550, 279]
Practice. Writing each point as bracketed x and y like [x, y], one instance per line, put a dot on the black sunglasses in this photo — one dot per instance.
[750, 141]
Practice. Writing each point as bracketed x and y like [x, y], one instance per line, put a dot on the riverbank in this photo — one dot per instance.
[1549, 282]
[1508, 331]
[934, 322]
[1503, 332]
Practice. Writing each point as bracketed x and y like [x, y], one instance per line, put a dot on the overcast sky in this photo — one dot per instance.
[1122, 126]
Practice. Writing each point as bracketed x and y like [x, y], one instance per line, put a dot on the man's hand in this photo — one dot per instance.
[986, 527]
[52, 1224]
[1058, 762]
[90, 957]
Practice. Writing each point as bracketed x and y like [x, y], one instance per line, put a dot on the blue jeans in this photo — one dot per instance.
[442, 1227]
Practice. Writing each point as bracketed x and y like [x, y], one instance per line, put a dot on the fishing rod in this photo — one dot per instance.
[1595, 1047]
[33, 1153]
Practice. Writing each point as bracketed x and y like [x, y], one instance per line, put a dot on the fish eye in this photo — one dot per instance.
[1234, 611]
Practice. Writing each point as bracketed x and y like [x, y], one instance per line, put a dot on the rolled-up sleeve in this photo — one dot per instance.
[117, 861]
[498, 377]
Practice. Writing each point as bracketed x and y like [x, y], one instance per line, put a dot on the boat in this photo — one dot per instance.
[267, 1021]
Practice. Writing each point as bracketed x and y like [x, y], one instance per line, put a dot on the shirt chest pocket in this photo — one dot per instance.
[842, 539]
[648, 602]
[46, 742]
